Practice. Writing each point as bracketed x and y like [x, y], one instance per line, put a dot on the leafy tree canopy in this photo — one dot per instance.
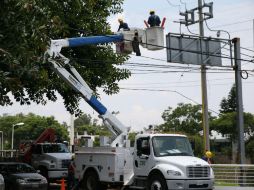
[229, 104]
[85, 123]
[26, 29]
[33, 126]
[226, 124]
[185, 118]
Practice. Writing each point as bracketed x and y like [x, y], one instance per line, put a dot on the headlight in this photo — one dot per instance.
[20, 181]
[44, 180]
[174, 173]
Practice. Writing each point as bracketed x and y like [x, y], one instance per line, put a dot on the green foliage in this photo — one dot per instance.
[229, 105]
[226, 124]
[250, 149]
[33, 126]
[85, 123]
[131, 137]
[26, 29]
[185, 118]
[197, 145]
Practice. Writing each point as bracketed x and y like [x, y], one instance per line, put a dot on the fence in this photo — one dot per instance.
[234, 175]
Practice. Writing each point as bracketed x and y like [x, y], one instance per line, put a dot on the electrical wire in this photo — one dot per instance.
[189, 51]
[247, 49]
[161, 90]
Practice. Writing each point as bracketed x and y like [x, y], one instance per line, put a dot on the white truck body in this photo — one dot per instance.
[126, 167]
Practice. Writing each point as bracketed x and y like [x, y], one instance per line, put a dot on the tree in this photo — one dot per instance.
[85, 123]
[184, 118]
[226, 123]
[26, 29]
[33, 126]
[229, 105]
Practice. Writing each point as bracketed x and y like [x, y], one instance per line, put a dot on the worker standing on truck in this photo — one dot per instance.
[154, 20]
[71, 174]
[122, 25]
[207, 157]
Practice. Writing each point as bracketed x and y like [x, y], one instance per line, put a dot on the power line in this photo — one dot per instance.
[190, 51]
[247, 49]
[160, 90]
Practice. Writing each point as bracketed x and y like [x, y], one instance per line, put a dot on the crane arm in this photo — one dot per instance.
[74, 80]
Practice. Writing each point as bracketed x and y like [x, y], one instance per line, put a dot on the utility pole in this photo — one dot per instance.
[239, 100]
[203, 83]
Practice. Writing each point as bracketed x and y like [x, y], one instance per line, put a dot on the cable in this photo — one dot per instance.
[232, 23]
[247, 49]
[160, 90]
[190, 31]
[190, 51]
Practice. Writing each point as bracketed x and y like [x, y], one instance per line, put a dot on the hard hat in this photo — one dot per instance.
[208, 154]
[152, 11]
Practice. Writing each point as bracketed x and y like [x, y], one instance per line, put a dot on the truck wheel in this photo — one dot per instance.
[91, 181]
[157, 182]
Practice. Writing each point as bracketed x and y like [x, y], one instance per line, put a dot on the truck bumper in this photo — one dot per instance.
[199, 184]
[57, 174]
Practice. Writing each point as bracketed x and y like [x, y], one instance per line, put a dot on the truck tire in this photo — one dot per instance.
[157, 182]
[90, 181]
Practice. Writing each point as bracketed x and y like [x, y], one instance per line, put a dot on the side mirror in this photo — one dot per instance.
[192, 145]
[144, 156]
[38, 171]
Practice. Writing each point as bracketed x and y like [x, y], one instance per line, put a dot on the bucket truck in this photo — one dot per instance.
[157, 161]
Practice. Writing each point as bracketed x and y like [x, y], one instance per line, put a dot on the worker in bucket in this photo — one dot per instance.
[154, 20]
[122, 25]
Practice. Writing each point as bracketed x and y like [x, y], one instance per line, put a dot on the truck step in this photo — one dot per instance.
[136, 187]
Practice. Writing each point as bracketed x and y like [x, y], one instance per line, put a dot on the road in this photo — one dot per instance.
[57, 187]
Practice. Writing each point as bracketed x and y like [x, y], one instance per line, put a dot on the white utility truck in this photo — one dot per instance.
[157, 161]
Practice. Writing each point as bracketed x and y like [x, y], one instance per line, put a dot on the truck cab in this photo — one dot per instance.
[52, 159]
[166, 161]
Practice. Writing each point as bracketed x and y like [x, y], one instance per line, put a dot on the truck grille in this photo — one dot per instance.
[65, 163]
[198, 171]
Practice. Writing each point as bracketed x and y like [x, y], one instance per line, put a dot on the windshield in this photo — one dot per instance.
[171, 146]
[20, 168]
[55, 148]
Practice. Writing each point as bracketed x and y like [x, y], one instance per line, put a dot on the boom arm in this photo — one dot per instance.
[74, 80]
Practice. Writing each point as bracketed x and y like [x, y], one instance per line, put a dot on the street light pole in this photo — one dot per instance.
[12, 134]
[2, 142]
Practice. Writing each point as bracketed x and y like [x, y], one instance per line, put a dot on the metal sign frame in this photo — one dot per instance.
[192, 49]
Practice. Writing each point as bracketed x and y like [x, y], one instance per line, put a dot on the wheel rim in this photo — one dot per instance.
[91, 183]
[156, 185]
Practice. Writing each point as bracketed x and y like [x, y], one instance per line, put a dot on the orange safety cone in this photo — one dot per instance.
[62, 184]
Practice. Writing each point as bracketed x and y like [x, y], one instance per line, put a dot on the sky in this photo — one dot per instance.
[140, 108]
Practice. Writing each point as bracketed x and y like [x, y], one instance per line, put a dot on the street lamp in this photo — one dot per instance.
[2, 142]
[12, 134]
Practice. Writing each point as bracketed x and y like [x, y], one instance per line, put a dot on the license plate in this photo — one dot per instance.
[65, 174]
[35, 185]
[199, 183]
